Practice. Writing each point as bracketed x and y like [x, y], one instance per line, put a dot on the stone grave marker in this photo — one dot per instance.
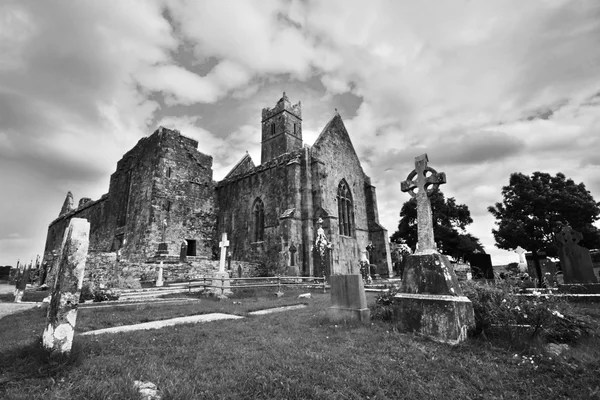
[575, 260]
[481, 266]
[62, 312]
[348, 299]
[430, 301]
[522, 262]
[159, 279]
[183, 252]
[221, 284]
[21, 282]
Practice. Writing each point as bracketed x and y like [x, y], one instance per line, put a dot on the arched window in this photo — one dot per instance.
[258, 213]
[345, 209]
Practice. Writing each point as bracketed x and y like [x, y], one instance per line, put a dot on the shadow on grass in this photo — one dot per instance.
[33, 361]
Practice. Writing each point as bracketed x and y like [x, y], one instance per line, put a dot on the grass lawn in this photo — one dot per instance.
[297, 354]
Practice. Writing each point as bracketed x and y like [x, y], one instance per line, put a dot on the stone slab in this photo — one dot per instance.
[442, 318]
[349, 314]
[277, 309]
[164, 323]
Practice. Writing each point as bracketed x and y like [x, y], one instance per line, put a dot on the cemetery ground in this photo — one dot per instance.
[296, 354]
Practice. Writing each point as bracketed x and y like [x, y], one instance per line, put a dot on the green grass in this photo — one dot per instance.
[297, 354]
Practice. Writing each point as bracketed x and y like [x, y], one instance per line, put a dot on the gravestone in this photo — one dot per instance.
[430, 302]
[348, 300]
[220, 283]
[62, 313]
[533, 272]
[575, 260]
[481, 266]
[183, 252]
[293, 269]
[21, 282]
[522, 262]
[159, 280]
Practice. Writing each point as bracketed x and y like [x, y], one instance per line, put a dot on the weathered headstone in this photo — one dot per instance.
[348, 300]
[293, 269]
[431, 302]
[575, 260]
[159, 279]
[62, 313]
[183, 252]
[221, 284]
[481, 266]
[21, 282]
[522, 262]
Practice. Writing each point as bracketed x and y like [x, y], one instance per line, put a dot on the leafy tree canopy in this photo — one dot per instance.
[449, 223]
[535, 207]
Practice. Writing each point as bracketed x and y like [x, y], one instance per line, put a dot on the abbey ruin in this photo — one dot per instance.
[163, 192]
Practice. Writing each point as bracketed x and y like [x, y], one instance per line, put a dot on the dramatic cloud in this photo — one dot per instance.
[485, 88]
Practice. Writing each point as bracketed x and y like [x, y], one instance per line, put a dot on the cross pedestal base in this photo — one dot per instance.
[431, 301]
[221, 285]
[442, 318]
[163, 250]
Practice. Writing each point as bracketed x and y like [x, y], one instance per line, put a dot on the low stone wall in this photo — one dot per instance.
[102, 267]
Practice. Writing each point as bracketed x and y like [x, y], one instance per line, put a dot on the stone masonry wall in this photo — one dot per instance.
[336, 159]
[275, 184]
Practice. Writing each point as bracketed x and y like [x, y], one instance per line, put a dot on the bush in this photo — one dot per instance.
[502, 313]
[87, 293]
[383, 308]
[106, 295]
[124, 282]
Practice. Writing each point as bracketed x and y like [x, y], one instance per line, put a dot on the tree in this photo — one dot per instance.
[536, 207]
[449, 223]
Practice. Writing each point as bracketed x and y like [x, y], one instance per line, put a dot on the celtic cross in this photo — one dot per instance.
[424, 184]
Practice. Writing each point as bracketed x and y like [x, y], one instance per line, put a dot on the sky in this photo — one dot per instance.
[485, 88]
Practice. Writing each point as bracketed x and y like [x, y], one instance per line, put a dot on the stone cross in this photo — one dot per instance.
[62, 312]
[419, 180]
[521, 252]
[223, 245]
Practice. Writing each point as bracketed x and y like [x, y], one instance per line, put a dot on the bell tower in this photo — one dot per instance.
[281, 129]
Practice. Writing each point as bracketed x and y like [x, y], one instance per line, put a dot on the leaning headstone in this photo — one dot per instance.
[21, 282]
[481, 266]
[348, 300]
[221, 285]
[430, 302]
[575, 260]
[62, 313]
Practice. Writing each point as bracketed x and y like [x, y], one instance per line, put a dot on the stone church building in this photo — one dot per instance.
[163, 192]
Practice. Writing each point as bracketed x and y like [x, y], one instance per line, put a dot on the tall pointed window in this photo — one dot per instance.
[345, 210]
[258, 213]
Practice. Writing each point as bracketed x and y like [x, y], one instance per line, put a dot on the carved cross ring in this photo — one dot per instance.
[430, 183]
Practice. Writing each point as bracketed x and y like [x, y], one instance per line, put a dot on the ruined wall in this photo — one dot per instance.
[97, 213]
[183, 196]
[276, 183]
[163, 177]
[102, 267]
[335, 159]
